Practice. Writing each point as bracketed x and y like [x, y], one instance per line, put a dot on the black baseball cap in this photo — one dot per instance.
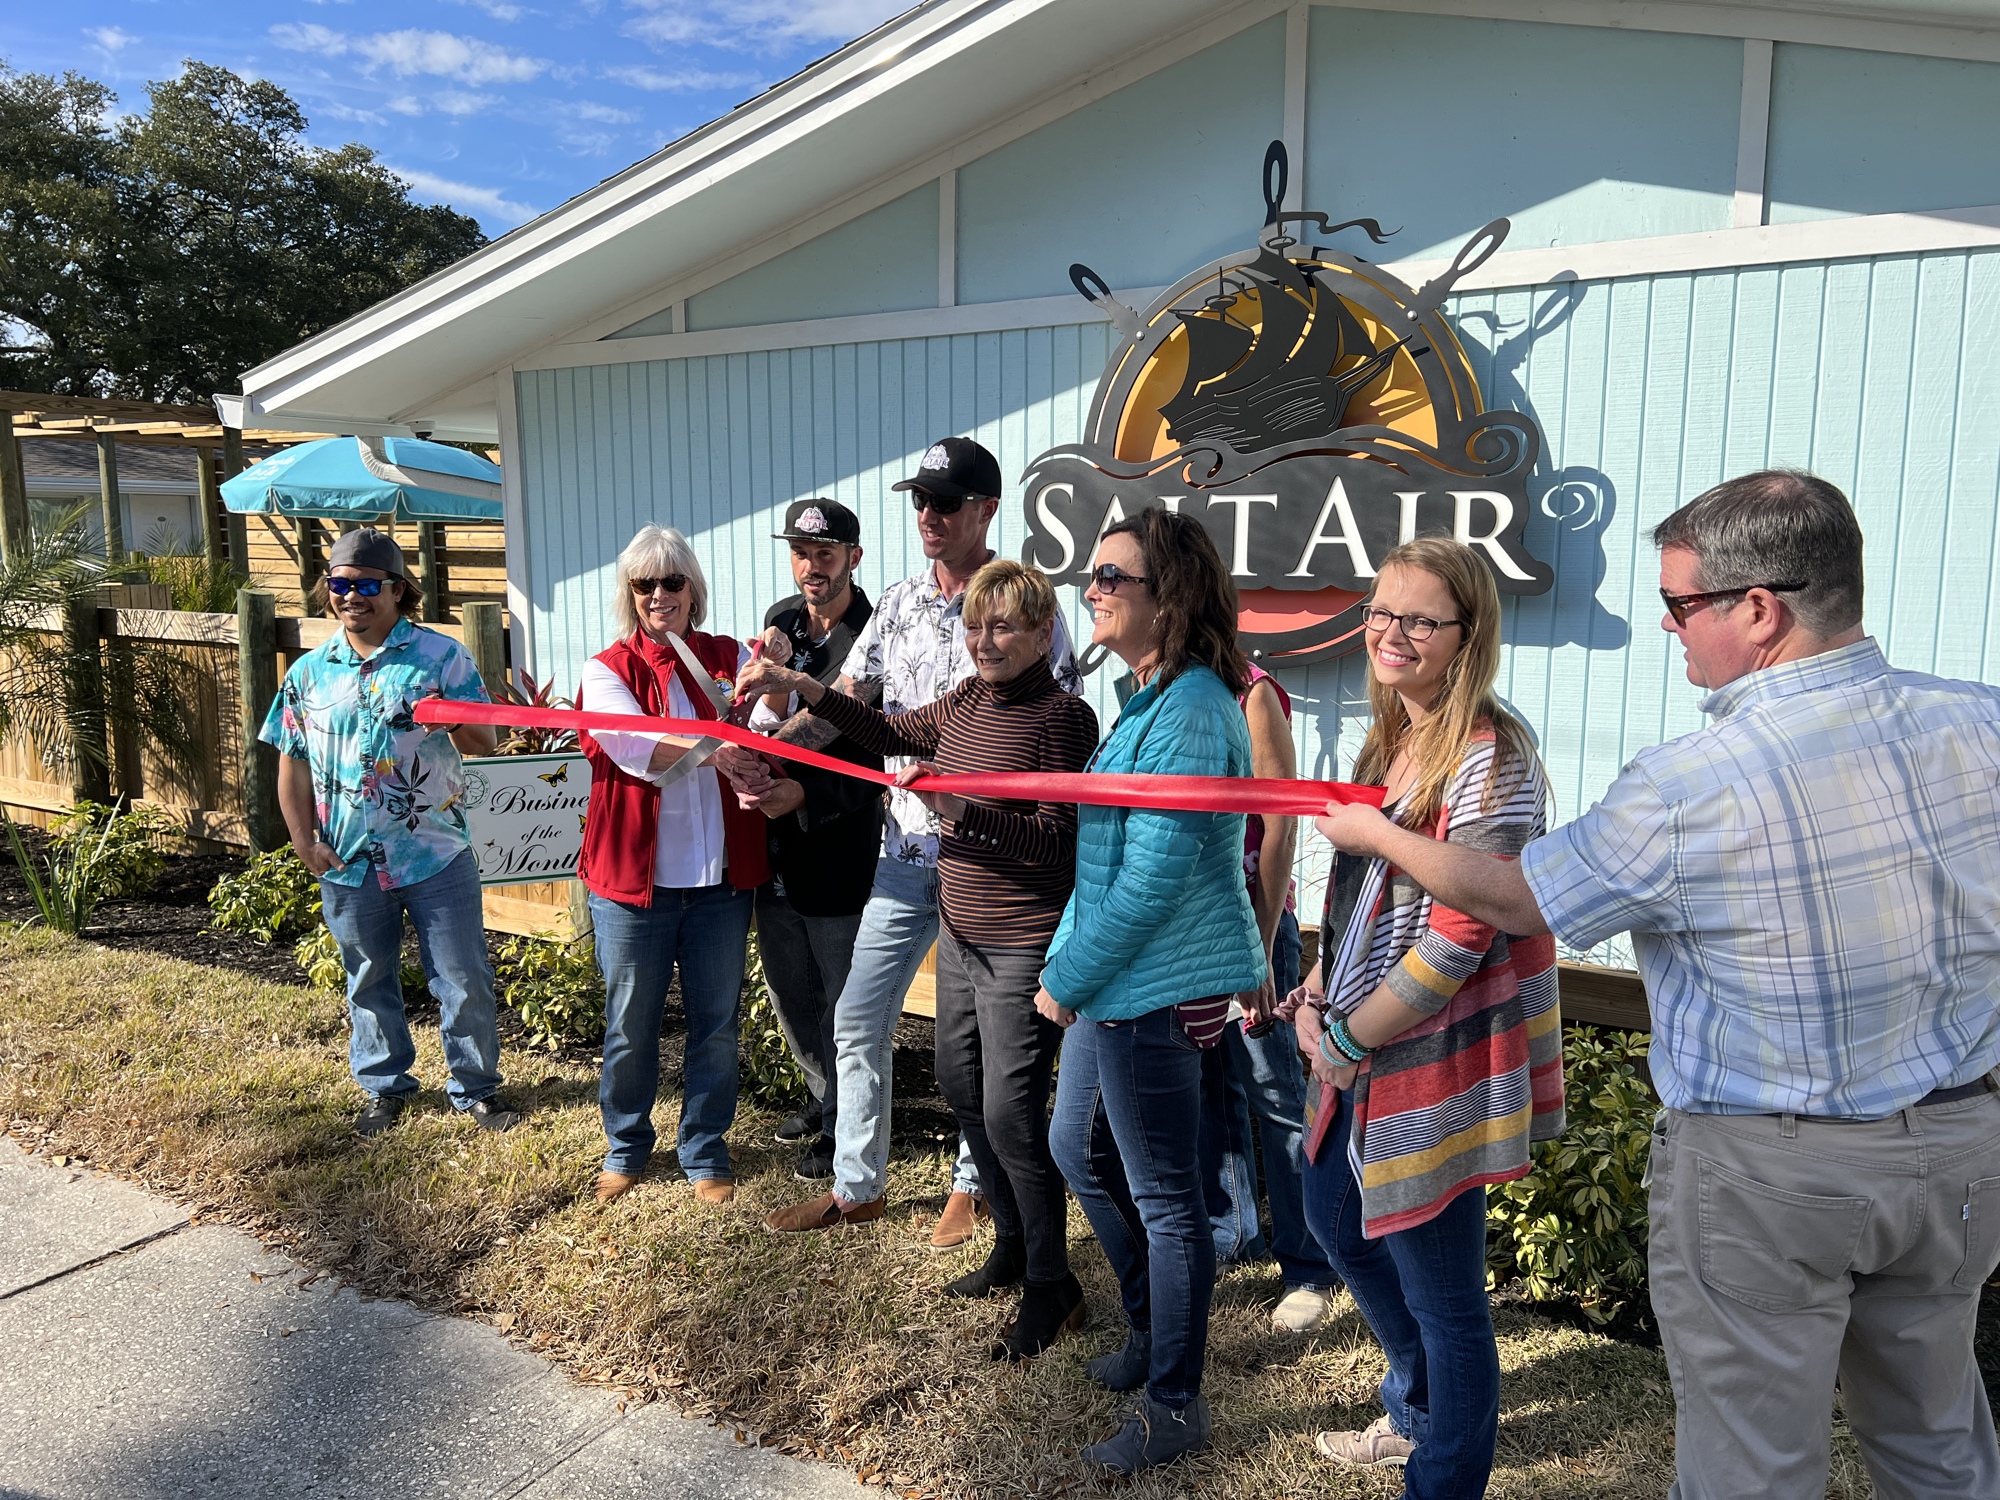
[958, 469]
[820, 521]
[366, 547]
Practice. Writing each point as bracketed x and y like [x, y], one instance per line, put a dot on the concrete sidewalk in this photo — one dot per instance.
[146, 1357]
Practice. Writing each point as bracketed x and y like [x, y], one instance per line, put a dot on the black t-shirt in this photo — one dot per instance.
[825, 852]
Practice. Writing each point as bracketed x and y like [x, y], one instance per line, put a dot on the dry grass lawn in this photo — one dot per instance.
[232, 1094]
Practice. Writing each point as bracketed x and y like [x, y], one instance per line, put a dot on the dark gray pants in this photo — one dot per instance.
[805, 965]
[995, 1055]
[1786, 1251]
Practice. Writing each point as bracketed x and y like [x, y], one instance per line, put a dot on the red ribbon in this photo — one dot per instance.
[1223, 794]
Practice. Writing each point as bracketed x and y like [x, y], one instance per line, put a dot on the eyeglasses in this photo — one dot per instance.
[1415, 627]
[1107, 578]
[367, 588]
[944, 505]
[1680, 606]
[673, 583]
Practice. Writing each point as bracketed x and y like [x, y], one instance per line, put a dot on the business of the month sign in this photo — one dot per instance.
[525, 814]
[1312, 411]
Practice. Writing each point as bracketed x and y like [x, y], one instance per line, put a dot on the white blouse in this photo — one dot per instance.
[689, 850]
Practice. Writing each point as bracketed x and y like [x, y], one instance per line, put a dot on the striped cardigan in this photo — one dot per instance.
[1454, 1102]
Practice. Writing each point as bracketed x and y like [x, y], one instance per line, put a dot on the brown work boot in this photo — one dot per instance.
[1377, 1446]
[959, 1222]
[715, 1190]
[612, 1185]
[824, 1212]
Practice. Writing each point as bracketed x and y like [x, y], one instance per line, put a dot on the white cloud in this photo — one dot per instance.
[337, 111]
[584, 142]
[680, 80]
[309, 36]
[406, 104]
[113, 39]
[489, 202]
[604, 114]
[463, 102]
[438, 53]
[757, 23]
[499, 10]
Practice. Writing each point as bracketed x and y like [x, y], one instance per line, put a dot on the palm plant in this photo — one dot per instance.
[53, 682]
[73, 886]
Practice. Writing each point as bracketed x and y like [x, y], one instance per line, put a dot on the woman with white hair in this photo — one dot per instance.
[671, 865]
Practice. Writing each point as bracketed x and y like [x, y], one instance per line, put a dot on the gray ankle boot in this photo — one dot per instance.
[1125, 1368]
[1153, 1435]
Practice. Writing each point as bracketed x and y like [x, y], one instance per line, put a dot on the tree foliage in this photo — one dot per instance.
[161, 256]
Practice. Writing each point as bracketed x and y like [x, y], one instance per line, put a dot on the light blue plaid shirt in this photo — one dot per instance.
[1812, 885]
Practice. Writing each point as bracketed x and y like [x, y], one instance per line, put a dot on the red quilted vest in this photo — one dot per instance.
[623, 824]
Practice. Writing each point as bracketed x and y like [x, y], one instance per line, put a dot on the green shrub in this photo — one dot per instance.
[274, 900]
[319, 955]
[124, 847]
[1574, 1229]
[770, 1075]
[555, 986]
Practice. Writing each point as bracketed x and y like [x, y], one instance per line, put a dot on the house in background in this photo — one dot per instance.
[159, 491]
[1742, 235]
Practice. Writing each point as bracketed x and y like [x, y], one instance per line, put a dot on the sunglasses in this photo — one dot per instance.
[367, 588]
[944, 505]
[1107, 578]
[1680, 606]
[673, 583]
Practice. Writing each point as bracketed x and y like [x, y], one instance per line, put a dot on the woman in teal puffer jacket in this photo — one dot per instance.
[1156, 939]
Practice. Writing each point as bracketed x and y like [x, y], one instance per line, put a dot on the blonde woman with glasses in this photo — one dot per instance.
[671, 865]
[1435, 1038]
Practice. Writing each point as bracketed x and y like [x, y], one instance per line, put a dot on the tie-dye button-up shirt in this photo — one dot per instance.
[389, 792]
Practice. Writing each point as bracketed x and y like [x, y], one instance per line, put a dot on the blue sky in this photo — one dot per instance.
[501, 108]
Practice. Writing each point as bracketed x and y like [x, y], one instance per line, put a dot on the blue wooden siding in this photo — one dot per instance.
[1884, 376]
[1876, 133]
[1436, 124]
[884, 261]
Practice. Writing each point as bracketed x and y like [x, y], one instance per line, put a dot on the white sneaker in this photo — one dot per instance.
[1302, 1310]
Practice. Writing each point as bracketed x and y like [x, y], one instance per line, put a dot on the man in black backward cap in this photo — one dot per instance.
[826, 829]
[376, 807]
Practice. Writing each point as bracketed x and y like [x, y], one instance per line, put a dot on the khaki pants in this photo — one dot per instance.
[1786, 1251]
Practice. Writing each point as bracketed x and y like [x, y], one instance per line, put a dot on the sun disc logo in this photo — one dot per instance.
[1312, 411]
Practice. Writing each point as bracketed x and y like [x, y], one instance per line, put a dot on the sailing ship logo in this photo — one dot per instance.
[1312, 411]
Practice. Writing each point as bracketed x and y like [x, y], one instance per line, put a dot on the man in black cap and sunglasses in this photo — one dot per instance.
[913, 652]
[376, 807]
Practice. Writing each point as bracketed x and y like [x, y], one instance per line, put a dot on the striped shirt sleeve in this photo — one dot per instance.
[1454, 945]
[1611, 870]
[913, 733]
[1048, 834]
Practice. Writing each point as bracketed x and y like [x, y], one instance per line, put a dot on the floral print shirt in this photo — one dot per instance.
[914, 645]
[389, 792]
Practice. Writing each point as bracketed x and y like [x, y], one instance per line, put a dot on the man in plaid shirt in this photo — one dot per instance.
[1812, 885]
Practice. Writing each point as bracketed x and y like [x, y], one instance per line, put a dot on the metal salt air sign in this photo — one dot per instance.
[1312, 411]
[525, 814]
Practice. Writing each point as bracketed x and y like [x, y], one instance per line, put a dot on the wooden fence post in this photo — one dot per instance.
[90, 759]
[257, 673]
[427, 564]
[107, 494]
[16, 531]
[239, 529]
[488, 645]
[213, 537]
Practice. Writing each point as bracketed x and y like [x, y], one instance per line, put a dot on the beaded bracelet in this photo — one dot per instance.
[1343, 1038]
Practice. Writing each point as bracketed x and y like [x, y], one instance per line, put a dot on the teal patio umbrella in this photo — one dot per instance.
[363, 478]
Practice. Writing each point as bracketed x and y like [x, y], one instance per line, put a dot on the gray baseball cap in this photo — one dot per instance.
[367, 548]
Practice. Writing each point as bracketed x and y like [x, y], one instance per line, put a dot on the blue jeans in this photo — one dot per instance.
[367, 922]
[704, 929]
[1128, 1101]
[1267, 1075]
[898, 927]
[1423, 1291]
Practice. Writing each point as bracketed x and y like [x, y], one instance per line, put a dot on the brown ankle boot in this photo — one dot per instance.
[959, 1222]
